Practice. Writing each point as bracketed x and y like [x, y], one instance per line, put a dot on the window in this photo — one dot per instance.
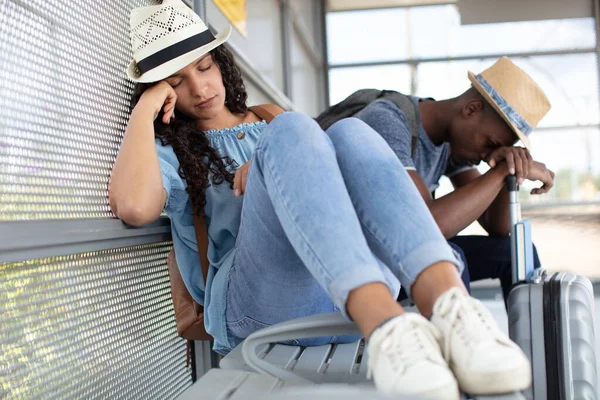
[570, 81]
[426, 51]
[357, 36]
[437, 32]
[344, 81]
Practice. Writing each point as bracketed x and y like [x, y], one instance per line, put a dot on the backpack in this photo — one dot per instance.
[361, 98]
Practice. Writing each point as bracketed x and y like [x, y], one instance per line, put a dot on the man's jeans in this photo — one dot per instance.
[489, 257]
[324, 214]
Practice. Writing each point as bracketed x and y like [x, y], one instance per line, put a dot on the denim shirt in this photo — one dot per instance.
[223, 212]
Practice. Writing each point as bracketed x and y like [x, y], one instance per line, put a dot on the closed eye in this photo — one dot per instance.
[205, 69]
[492, 145]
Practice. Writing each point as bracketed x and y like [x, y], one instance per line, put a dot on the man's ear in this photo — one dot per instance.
[472, 108]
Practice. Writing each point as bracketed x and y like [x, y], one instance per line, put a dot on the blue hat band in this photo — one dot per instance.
[506, 108]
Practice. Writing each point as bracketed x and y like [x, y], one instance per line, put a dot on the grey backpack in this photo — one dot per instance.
[361, 98]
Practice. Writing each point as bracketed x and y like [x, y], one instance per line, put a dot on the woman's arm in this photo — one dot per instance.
[136, 193]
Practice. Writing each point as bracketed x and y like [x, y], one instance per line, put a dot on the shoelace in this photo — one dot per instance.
[406, 344]
[469, 319]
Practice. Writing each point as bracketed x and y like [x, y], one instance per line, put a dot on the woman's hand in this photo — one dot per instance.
[160, 96]
[240, 178]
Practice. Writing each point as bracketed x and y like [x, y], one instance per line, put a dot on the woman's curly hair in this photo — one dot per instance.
[199, 164]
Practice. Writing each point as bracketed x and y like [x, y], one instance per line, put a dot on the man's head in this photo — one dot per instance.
[503, 105]
[476, 129]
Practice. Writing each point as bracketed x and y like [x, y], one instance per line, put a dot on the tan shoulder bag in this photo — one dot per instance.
[189, 315]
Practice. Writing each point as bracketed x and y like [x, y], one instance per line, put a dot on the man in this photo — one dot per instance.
[482, 124]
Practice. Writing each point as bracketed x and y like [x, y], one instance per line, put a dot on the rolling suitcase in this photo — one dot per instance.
[551, 317]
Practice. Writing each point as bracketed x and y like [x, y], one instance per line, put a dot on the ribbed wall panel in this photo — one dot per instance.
[91, 325]
[64, 102]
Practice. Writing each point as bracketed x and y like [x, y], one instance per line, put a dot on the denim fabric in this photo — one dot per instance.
[431, 161]
[324, 214]
[465, 277]
[460, 254]
[489, 257]
[222, 211]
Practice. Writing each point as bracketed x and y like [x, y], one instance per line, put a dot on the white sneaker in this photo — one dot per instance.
[405, 358]
[484, 360]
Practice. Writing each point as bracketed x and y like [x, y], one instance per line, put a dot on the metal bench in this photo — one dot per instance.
[226, 384]
[229, 384]
[298, 365]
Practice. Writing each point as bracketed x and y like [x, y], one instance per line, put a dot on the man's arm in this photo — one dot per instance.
[474, 193]
[495, 219]
[467, 203]
[483, 197]
[455, 211]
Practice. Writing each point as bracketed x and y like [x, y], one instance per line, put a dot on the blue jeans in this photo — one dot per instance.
[466, 278]
[323, 214]
[489, 257]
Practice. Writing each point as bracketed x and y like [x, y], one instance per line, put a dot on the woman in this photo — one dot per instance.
[300, 221]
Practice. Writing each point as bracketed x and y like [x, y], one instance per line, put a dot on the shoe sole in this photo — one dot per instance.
[507, 381]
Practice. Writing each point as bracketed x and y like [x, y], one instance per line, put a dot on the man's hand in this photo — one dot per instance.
[519, 163]
[539, 172]
[518, 160]
[239, 181]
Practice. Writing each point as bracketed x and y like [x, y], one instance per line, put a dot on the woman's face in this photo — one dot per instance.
[199, 88]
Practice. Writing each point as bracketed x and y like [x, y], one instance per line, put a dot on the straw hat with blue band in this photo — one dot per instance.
[166, 38]
[514, 95]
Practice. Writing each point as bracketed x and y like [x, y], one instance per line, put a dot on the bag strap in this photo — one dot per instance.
[411, 113]
[266, 112]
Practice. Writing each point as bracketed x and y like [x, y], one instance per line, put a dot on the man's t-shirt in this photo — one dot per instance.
[430, 161]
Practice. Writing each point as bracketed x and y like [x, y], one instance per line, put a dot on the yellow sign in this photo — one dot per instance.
[235, 11]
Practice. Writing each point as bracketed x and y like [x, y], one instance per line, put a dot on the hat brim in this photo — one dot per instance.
[524, 139]
[169, 68]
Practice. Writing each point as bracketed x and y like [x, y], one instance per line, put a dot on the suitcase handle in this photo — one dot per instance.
[515, 218]
[511, 183]
[521, 254]
[513, 201]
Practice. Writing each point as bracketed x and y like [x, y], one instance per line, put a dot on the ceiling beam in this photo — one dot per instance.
[347, 5]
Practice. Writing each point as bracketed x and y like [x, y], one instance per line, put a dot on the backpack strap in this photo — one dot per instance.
[411, 112]
[266, 112]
